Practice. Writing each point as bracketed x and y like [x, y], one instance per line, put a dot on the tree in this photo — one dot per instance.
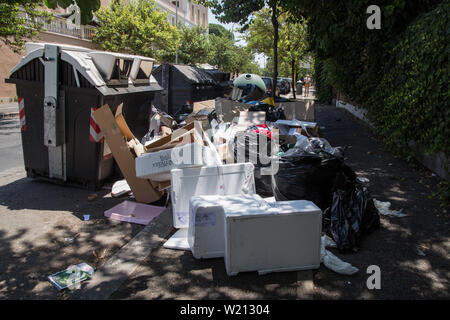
[222, 52]
[87, 7]
[194, 46]
[242, 11]
[220, 30]
[14, 28]
[137, 27]
[292, 41]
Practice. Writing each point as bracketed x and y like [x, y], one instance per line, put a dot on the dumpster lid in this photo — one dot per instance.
[81, 60]
[194, 75]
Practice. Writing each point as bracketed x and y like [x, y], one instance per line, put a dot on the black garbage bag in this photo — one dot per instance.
[255, 148]
[272, 113]
[306, 176]
[252, 147]
[351, 215]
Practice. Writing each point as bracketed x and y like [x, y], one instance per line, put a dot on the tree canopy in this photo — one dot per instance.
[195, 47]
[14, 28]
[220, 30]
[136, 27]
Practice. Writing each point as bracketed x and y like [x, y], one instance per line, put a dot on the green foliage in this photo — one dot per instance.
[220, 31]
[400, 72]
[323, 87]
[238, 11]
[291, 43]
[411, 100]
[137, 27]
[13, 28]
[87, 7]
[194, 47]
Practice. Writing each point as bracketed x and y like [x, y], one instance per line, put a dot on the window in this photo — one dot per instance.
[198, 16]
[173, 21]
[192, 13]
[204, 20]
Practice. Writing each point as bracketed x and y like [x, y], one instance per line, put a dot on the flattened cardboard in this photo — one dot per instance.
[207, 104]
[300, 110]
[141, 188]
[176, 135]
[122, 124]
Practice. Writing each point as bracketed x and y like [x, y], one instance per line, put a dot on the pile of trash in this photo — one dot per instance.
[252, 182]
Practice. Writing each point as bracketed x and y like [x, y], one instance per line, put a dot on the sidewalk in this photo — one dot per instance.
[42, 231]
[406, 272]
[412, 252]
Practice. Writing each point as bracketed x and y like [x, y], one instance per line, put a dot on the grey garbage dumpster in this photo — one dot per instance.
[185, 84]
[299, 88]
[58, 87]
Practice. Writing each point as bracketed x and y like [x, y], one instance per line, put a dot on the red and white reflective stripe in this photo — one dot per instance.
[23, 124]
[95, 133]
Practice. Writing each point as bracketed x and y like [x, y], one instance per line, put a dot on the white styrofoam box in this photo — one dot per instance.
[178, 241]
[206, 233]
[285, 237]
[157, 165]
[224, 179]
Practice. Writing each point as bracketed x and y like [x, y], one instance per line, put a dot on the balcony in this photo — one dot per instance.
[59, 26]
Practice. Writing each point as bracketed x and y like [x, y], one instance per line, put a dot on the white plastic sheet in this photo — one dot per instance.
[383, 209]
[331, 261]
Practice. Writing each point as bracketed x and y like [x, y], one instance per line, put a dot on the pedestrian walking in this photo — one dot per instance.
[307, 84]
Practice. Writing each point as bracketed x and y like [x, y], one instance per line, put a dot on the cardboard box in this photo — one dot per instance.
[117, 133]
[300, 110]
[228, 109]
[191, 132]
[156, 166]
[207, 104]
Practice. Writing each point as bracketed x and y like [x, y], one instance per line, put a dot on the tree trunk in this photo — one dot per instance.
[293, 77]
[275, 46]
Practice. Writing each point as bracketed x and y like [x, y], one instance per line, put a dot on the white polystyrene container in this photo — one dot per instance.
[206, 234]
[224, 179]
[157, 165]
[285, 237]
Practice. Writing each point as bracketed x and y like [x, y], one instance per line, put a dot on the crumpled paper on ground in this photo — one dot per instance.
[331, 261]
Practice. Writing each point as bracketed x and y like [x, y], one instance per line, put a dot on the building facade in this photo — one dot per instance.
[190, 14]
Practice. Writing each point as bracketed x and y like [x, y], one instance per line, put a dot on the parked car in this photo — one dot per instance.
[284, 84]
[268, 82]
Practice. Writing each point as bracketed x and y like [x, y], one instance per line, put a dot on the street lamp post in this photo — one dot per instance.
[176, 23]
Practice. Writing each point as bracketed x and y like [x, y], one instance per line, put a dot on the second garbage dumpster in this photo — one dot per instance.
[59, 86]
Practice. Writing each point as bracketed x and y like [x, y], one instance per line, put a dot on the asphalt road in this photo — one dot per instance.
[11, 154]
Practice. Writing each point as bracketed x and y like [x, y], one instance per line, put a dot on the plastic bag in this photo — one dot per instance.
[332, 262]
[306, 176]
[383, 209]
[252, 147]
[317, 145]
[255, 145]
[351, 215]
